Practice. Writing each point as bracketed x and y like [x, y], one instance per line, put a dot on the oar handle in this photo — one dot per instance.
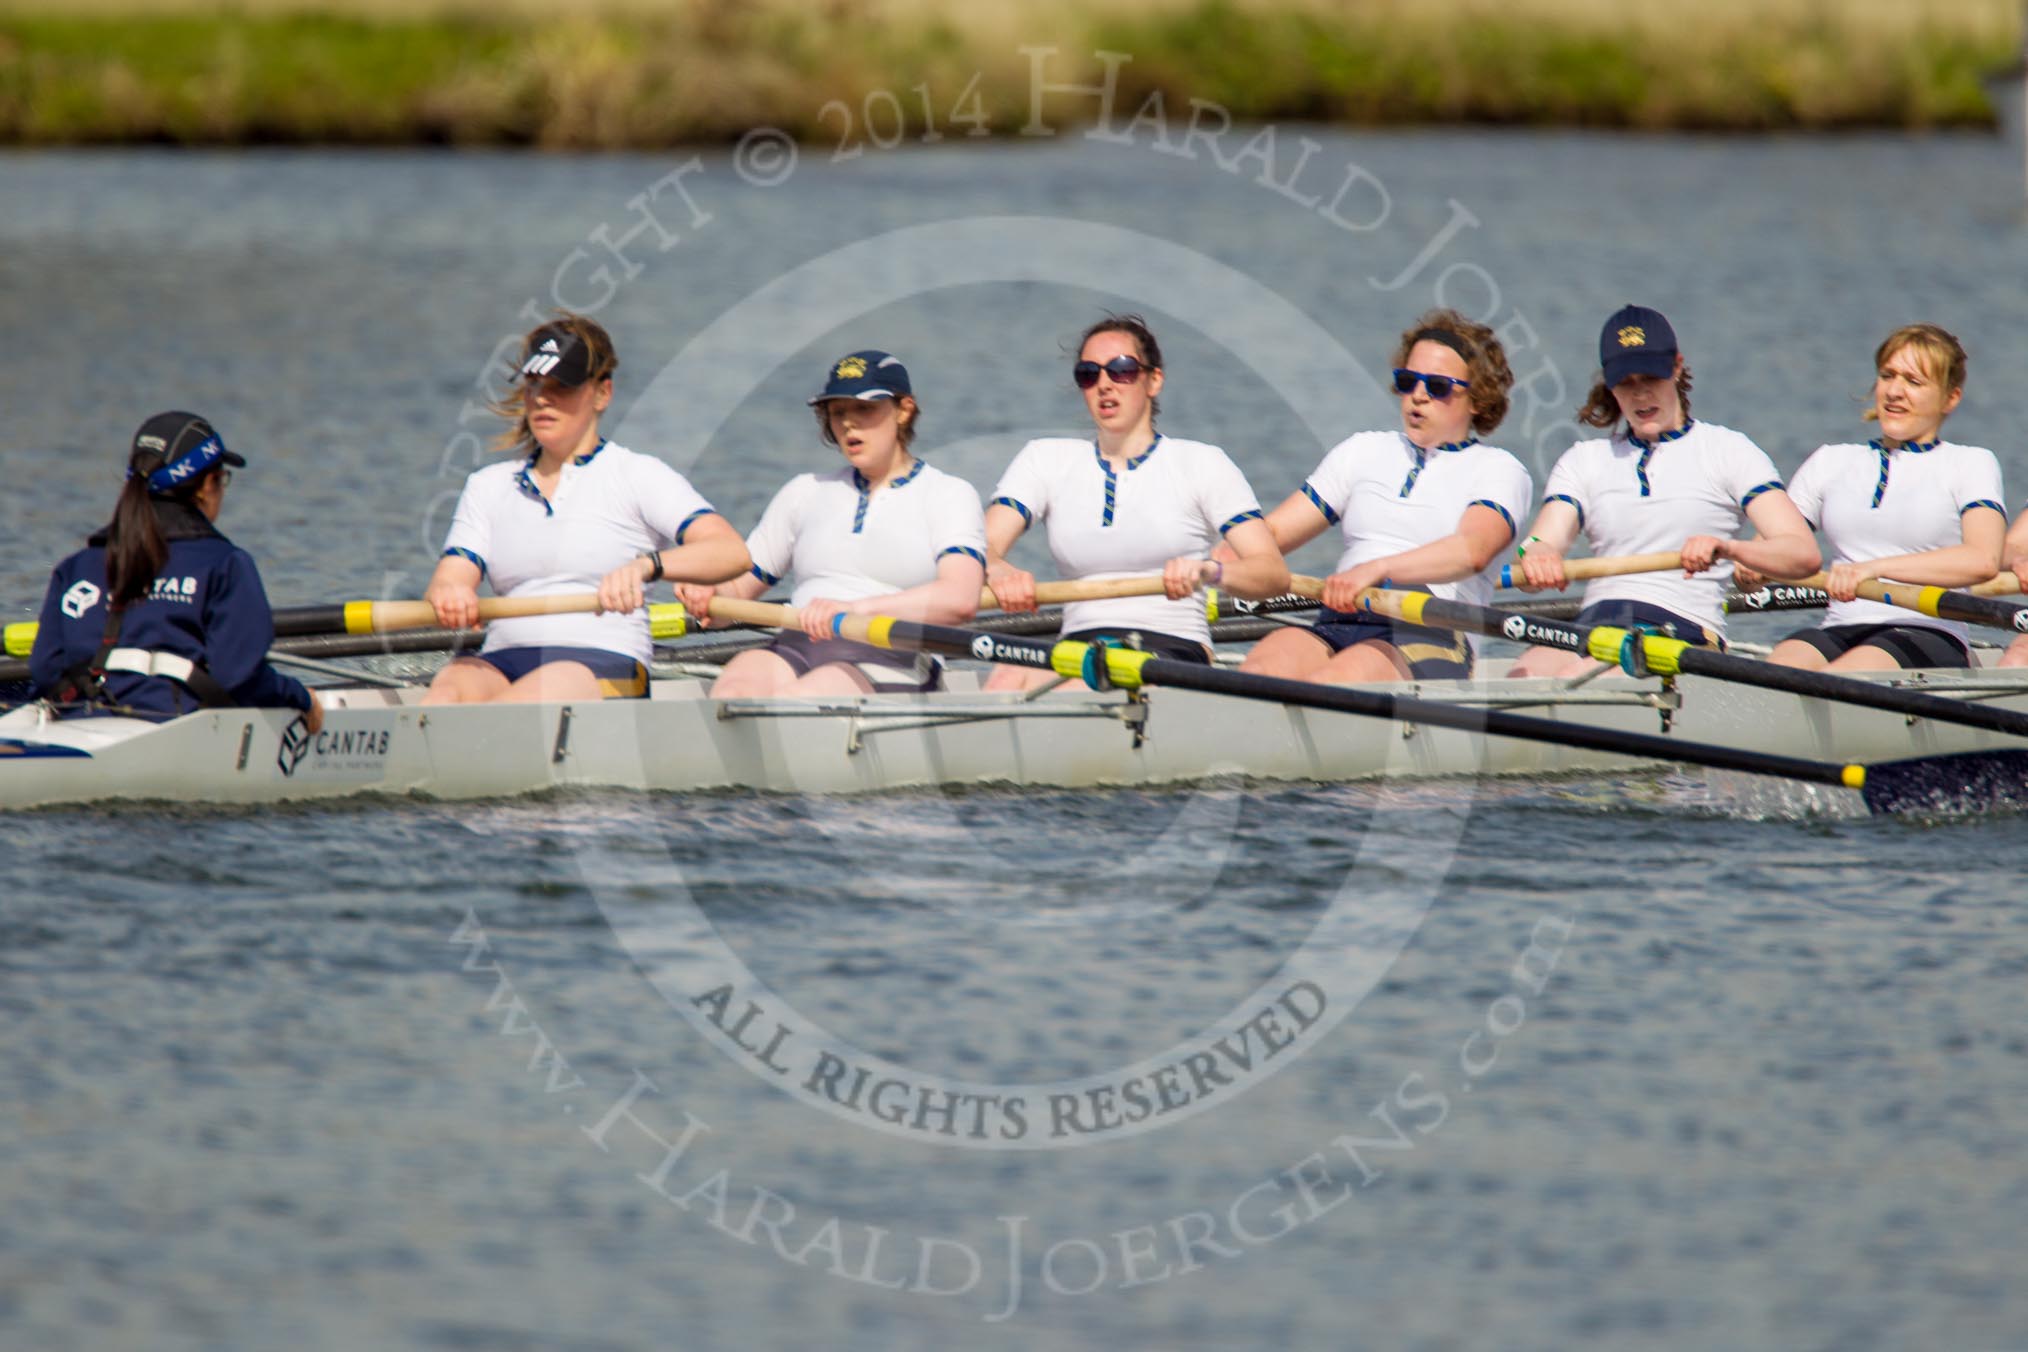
[1097, 589]
[1577, 570]
[379, 617]
[1110, 588]
[765, 613]
[665, 619]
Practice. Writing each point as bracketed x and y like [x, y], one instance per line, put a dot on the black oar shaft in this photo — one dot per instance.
[1776, 596]
[1666, 655]
[291, 621]
[1070, 659]
[1958, 605]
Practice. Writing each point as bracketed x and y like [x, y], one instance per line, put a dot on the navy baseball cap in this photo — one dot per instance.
[870, 374]
[557, 354]
[188, 445]
[1636, 341]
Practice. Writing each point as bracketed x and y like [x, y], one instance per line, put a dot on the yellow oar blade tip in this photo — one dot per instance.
[1855, 776]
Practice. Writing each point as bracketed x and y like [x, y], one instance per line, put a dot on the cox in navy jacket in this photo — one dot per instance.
[207, 604]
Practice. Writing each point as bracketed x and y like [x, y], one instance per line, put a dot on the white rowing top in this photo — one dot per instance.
[1636, 497]
[1874, 504]
[1387, 495]
[611, 505]
[1174, 500]
[842, 542]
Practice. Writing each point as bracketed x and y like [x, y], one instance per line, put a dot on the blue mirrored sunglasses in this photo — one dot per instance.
[1439, 387]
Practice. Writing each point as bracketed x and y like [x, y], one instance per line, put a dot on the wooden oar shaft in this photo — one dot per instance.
[1667, 656]
[1111, 588]
[766, 613]
[1578, 570]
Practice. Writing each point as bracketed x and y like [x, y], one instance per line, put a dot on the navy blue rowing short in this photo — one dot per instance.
[887, 671]
[1910, 645]
[1431, 654]
[619, 676]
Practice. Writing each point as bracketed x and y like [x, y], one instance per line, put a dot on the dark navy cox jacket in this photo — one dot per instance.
[207, 605]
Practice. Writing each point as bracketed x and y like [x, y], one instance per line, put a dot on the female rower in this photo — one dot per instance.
[1908, 506]
[1662, 482]
[159, 614]
[571, 512]
[1128, 503]
[2016, 561]
[1430, 505]
[884, 534]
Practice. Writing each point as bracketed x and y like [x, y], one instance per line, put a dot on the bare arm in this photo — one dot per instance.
[454, 591]
[2015, 550]
[1555, 530]
[1974, 560]
[952, 599]
[1015, 587]
[1481, 534]
[696, 596]
[1293, 524]
[1256, 569]
[712, 551]
[1787, 547]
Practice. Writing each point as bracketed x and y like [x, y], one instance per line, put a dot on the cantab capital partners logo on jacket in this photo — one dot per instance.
[81, 597]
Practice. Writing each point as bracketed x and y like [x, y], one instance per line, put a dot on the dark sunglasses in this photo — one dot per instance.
[1123, 370]
[1439, 387]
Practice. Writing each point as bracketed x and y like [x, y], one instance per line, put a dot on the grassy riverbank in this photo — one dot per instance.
[622, 73]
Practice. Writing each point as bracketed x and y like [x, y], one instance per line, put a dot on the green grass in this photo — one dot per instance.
[615, 74]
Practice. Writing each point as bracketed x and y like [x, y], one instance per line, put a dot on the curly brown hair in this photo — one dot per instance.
[1485, 361]
[1602, 410]
[513, 405]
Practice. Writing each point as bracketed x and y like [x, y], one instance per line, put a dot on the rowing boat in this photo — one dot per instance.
[384, 741]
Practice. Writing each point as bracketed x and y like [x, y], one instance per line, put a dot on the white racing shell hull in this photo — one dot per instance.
[679, 741]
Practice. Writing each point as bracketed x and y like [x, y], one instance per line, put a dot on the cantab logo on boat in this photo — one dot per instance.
[1515, 627]
[295, 746]
[348, 751]
[982, 648]
[81, 597]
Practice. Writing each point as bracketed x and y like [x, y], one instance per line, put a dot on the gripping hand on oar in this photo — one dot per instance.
[1013, 588]
[454, 592]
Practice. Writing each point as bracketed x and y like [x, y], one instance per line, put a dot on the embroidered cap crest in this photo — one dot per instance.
[1633, 335]
[851, 368]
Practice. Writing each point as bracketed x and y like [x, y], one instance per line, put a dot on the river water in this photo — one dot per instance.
[1666, 1064]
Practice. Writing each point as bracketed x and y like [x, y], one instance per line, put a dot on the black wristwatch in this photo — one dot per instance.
[654, 558]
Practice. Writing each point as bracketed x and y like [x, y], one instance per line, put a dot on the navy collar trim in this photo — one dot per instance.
[1880, 448]
[525, 481]
[1422, 457]
[865, 487]
[1682, 431]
